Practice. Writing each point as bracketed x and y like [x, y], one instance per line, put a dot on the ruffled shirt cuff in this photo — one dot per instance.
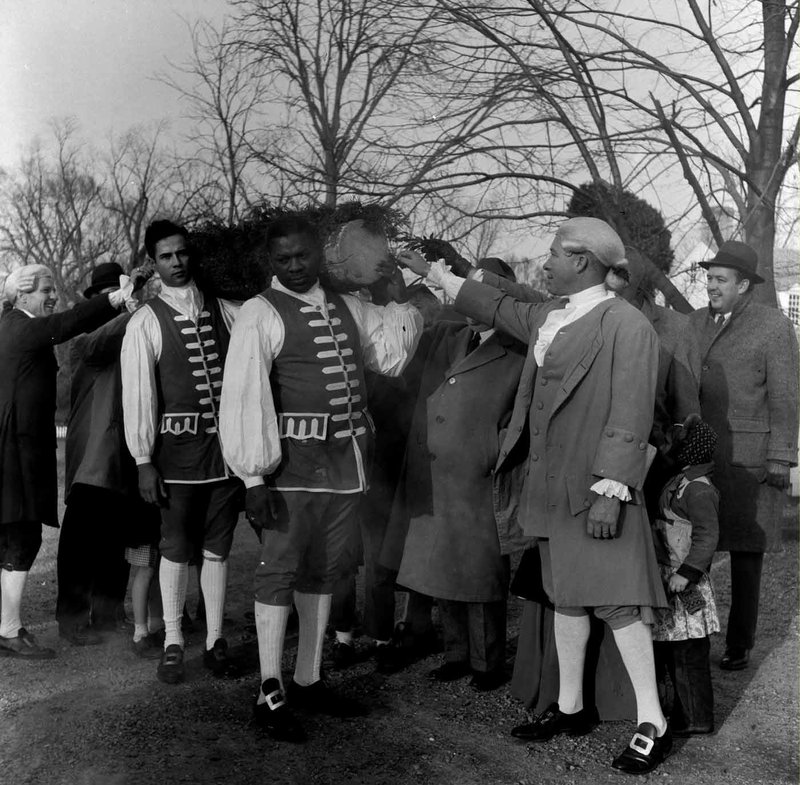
[612, 489]
[439, 275]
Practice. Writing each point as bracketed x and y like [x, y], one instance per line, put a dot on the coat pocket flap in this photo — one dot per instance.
[579, 494]
[748, 425]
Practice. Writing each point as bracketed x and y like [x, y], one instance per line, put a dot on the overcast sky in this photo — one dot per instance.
[91, 59]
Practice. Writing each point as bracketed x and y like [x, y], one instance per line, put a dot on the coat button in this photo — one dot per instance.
[535, 431]
[642, 445]
[539, 405]
[519, 429]
[534, 457]
[628, 437]
[609, 432]
[705, 367]
[451, 380]
[439, 418]
[544, 382]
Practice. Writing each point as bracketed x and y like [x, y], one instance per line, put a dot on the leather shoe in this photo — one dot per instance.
[552, 722]
[390, 658]
[685, 731]
[79, 634]
[486, 681]
[450, 671]
[735, 660]
[318, 698]
[24, 646]
[275, 717]
[344, 655]
[170, 670]
[216, 659]
[149, 647]
[645, 750]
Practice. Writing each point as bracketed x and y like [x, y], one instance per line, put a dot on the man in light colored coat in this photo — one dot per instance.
[748, 394]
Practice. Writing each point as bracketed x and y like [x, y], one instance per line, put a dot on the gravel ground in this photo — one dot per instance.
[97, 715]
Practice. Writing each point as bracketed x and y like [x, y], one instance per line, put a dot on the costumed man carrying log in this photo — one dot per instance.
[295, 428]
[585, 399]
[172, 358]
[28, 478]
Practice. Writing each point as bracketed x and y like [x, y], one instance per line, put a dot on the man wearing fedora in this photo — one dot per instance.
[748, 394]
[100, 480]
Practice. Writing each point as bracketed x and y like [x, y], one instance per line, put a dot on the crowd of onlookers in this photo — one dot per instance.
[429, 431]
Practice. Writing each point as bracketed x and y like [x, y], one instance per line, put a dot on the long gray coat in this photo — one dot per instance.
[748, 394]
[461, 515]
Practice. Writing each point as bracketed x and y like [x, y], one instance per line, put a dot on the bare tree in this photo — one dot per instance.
[225, 91]
[51, 212]
[681, 85]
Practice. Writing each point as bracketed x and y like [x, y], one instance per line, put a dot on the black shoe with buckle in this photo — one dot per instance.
[275, 717]
[735, 660]
[170, 669]
[318, 698]
[552, 722]
[645, 751]
[389, 658]
[216, 659]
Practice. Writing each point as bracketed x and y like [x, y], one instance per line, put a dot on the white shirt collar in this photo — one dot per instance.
[590, 296]
[27, 313]
[314, 296]
[186, 300]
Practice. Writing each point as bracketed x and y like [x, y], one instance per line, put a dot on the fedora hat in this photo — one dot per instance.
[739, 256]
[104, 275]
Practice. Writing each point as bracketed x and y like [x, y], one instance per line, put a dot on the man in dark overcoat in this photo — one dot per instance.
[100, 490]
[28, 478]
[748, 394]
[585, 400]
[461, 530]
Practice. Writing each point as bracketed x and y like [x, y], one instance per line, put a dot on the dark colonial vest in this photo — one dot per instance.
[317, 382]
[188, 385]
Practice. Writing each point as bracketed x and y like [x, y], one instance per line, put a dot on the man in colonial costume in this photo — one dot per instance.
[296, 429]
[585, 401]
[28, 479]
[172, 359]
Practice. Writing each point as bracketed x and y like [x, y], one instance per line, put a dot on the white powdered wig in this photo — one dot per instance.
[15, 283]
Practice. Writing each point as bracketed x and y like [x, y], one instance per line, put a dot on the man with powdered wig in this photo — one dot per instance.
[28, 481]
[585, 401]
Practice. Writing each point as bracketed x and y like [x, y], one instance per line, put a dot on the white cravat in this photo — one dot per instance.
[579, 304]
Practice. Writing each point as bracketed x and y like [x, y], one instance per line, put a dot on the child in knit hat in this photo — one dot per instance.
[685, 536]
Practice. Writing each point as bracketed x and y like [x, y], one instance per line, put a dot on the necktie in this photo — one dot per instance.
[474, 342]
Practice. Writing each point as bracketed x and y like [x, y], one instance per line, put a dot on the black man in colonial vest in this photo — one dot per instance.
[172, 359]
[295, 428]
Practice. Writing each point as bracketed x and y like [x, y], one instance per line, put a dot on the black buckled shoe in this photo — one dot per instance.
[735, 660]
[389, 658]
[170, 669]
[552, 722]
[645, 751]
[216, 659]
[318, 698]
[275, 717]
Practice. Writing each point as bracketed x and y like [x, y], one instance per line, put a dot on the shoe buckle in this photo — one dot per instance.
[275, 700]
[642, 743]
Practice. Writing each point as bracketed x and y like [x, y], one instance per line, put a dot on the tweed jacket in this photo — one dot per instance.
[749, 395]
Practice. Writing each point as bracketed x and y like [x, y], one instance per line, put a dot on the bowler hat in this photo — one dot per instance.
[104, 275]
[739, 256]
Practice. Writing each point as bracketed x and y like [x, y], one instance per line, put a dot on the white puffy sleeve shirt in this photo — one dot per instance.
[248, 421]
